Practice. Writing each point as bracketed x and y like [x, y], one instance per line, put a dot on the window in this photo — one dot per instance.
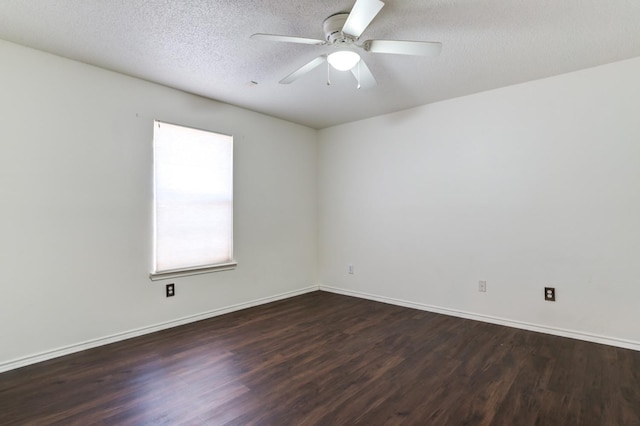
[193, 201]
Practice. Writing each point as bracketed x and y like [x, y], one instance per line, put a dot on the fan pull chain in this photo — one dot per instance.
[328, 74]
[359, 73]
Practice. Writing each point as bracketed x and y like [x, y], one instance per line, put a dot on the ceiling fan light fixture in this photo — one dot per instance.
[343, 60]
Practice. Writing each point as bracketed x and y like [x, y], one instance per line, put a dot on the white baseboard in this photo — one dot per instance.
[627, 344]
[66, 350]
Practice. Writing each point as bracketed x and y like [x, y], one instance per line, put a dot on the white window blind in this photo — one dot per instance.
[193, 200]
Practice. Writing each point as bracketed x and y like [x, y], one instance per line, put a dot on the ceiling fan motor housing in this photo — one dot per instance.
[333, 29]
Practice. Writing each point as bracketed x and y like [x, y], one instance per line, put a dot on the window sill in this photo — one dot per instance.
[174, 273]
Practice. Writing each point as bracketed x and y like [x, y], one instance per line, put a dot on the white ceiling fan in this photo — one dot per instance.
[342, 32]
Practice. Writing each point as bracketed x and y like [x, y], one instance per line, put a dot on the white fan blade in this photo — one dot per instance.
[288, 39]
[362, 73]
[303, 69]
[361, 16]
[400, 47]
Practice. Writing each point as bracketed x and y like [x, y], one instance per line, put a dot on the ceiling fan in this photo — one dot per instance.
[342, 32]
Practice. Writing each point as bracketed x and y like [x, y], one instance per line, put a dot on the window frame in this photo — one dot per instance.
[187, 270]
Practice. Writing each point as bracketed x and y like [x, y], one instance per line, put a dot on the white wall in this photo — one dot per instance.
[532, 185]
[527, 186]
[75, 185]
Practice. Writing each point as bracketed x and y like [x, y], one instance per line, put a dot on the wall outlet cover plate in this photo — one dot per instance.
[550, 294]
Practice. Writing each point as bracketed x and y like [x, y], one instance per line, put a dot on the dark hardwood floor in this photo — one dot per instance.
[328, 359]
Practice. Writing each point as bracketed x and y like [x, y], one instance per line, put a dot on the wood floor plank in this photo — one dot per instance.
[327, 359]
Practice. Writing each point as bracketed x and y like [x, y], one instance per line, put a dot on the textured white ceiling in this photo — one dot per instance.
[203, 47]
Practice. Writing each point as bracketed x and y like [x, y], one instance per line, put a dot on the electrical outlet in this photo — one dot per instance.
[171, 290]
[550, 294]
[482, 286]
[351, 269]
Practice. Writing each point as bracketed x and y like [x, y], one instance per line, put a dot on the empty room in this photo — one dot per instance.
[320, 213]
